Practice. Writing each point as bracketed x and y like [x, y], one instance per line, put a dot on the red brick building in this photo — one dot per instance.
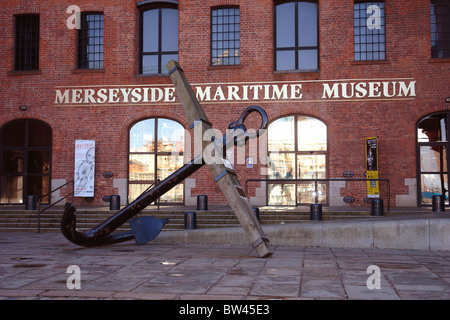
[329, 74]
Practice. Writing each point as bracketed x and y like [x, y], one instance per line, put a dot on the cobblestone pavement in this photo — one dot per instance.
[35, 266]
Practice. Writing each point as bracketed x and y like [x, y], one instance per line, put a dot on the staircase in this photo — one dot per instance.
[27, 221]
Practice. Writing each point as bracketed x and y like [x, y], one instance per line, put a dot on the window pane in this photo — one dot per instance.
[281, 194]
[225, 36]
[165, 59]
[433, 184]
[38, 185]
[285, 20]
[142, 136]
[12, 162]
[38, 161]
[433, 129]
[175, 195]
[311, 166]
[433, 159]
[169, 36]
[150, 64]
[26, 42]
[282, 166]
[307, 24]
[39, 134]
[306, 193]
[307, 60]
[369, 31]
[282, 134]
[286, 60]
[170, 136]
[12, 189]
[136, 189]
[168, 164]
[311, 134]
[150, 30]
[440, 29]
[142, 167]
[90, 42]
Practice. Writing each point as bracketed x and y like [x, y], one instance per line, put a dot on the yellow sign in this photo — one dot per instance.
[373, 187]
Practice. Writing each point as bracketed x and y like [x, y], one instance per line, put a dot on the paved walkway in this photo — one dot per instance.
[34, 266]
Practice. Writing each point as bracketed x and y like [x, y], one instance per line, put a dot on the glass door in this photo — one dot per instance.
[432, 147]
[25, 161]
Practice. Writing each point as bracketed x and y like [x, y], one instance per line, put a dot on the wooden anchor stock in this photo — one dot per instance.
[224, 174]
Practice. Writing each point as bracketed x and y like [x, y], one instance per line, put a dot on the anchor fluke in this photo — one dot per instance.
[145, 229]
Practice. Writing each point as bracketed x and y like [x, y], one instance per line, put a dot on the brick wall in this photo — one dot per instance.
[349, 122]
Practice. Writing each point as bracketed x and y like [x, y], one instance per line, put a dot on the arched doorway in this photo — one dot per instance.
[298, 150]
[155, 152]
[25, 160]
[433, 157]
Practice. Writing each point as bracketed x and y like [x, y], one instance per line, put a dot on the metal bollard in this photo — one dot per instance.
[31, 202]
[202, 203]
[315, 212]
[438, 203]
[377, 207]
[256, 212]
[114, 202]
[190, 220]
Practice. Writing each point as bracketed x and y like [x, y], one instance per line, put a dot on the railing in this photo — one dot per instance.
[291, 181]
[51, 205]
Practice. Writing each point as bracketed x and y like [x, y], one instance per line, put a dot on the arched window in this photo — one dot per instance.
[155, 152]
[25, 160]
[432, 148]
[159, 36]
[298, 150]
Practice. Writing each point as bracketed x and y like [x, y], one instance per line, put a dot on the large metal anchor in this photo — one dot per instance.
[145, 229]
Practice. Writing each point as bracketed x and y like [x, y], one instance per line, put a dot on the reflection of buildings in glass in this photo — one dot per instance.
[297, 147]
[165, 155]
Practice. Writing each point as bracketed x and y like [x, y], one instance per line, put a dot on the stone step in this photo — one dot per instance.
[21, 220]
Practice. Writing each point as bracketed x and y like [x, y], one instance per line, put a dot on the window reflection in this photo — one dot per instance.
[159, 38]
[296, 35]
[311, 134]
[440, 26]
[156, 151]
[297, 150]
[170, 136]
[433, 129]
[369, 31]
[282, 134]
[433, 157]
[25, 158]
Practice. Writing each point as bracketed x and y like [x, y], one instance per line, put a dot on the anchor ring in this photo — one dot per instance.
[235, 125]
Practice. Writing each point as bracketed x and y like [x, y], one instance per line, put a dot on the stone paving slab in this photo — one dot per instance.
[34, 267]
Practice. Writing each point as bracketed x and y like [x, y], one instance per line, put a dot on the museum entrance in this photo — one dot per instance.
[432, 148]
[25, 161]
[297, 150]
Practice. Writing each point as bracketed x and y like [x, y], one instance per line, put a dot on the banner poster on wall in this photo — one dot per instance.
[84, 168]
[373, 188]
